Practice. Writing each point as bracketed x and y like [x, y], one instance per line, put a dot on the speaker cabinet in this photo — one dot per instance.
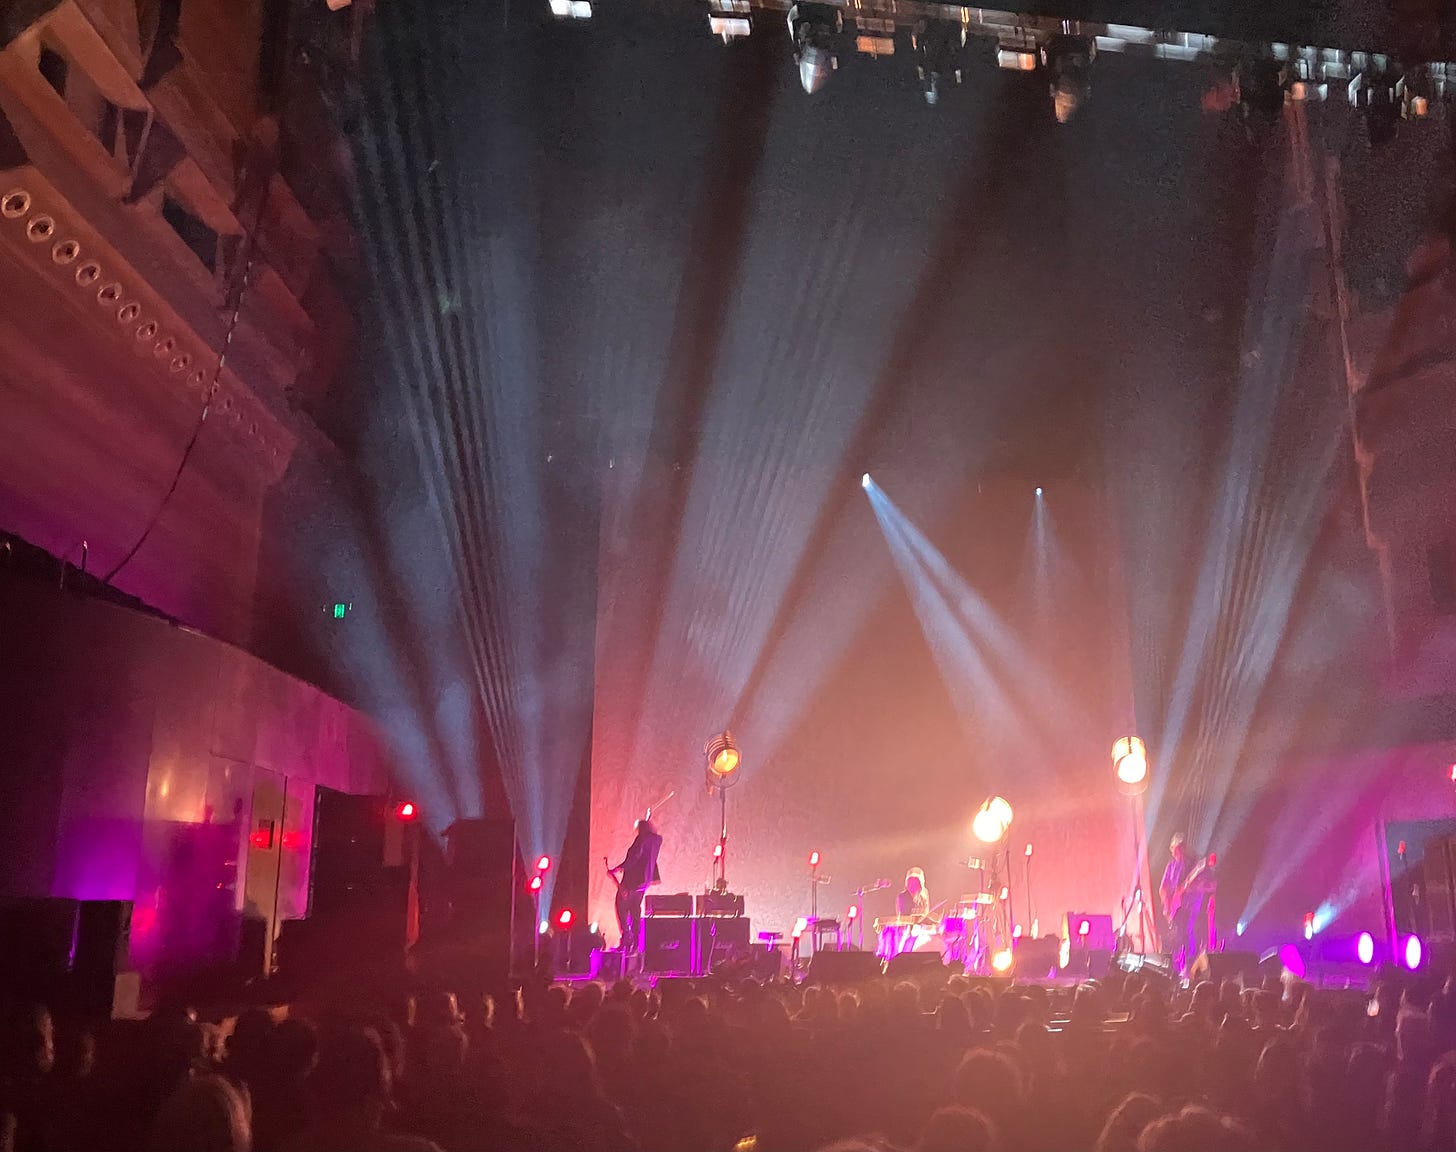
[843, 967]
[1439, 869]
[667, 945]
[908, 965]
[720, 941]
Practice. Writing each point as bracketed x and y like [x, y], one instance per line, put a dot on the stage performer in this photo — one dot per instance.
[915, 900]
[1188, 896]
[634, 874]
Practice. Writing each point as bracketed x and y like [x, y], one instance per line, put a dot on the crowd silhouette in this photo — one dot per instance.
[945, 1064]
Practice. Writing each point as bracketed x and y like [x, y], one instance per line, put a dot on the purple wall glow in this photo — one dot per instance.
[137, 757]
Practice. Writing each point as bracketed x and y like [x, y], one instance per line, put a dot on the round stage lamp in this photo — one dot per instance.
[1130, 763]
[1001, 961]
[723, 759]
[992, 821]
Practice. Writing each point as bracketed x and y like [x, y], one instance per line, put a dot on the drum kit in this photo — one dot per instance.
[964, 933]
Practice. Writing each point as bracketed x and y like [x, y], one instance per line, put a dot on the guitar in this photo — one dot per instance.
[1174, 904]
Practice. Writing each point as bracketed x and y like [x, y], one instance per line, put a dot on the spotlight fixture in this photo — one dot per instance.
[865, 482]
[730, 19]
[1130, 763]
[1412, 951]
[723, 759]
[405, 811]
[992, 821]
[1416, 93]
[1001, 961]
[1069, 60]
[814, 29]
[571, 9]
[1365, 948]
[1038, 493]
[937, 46]
[874, 36]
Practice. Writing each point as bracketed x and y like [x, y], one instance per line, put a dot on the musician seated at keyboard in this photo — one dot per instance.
[915, 900]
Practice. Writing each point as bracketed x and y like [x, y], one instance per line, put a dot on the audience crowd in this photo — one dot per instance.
[1125, 1064]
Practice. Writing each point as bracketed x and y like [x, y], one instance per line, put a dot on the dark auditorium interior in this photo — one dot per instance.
[727, 576]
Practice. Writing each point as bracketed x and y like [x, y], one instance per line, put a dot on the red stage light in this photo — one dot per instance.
[543, 864]
[813, 859]
[535, 884]
[717, 851]
[405, 810]
[565, 918]
[853, 912]
[261, 838]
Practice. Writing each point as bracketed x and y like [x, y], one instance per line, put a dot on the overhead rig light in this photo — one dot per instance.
[571, 9]
[937, 46]
[1069, 60]
[814, 28]
[1416, 92]
[730, 19]
[874, 36]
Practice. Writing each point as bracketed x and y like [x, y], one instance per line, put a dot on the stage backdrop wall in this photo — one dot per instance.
[136, 758]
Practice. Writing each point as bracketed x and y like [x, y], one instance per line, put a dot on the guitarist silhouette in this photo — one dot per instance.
[1187, 897]
[634, 874]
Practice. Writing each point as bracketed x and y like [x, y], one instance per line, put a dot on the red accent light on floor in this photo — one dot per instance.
[261, 838]
[565, 918]
[405, 810]
[543, 864]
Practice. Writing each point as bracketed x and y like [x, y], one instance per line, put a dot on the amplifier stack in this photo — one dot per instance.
[688, 935]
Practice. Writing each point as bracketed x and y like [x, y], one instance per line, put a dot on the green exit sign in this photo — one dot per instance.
[341, 610]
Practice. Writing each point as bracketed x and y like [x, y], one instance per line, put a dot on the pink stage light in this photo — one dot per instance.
[853, 913]
[813, 859]
[1292, 961]
[1413, 952]
[543, 864]
[1084, 927]
[565, 918]
[1365, 948]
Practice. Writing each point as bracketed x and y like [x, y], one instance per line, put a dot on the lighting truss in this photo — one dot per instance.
[1022, 40]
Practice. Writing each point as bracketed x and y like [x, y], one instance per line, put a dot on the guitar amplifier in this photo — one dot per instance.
[667, 945]
[1089, 932]
[668, 904]
[720, 939]
[718, 904]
